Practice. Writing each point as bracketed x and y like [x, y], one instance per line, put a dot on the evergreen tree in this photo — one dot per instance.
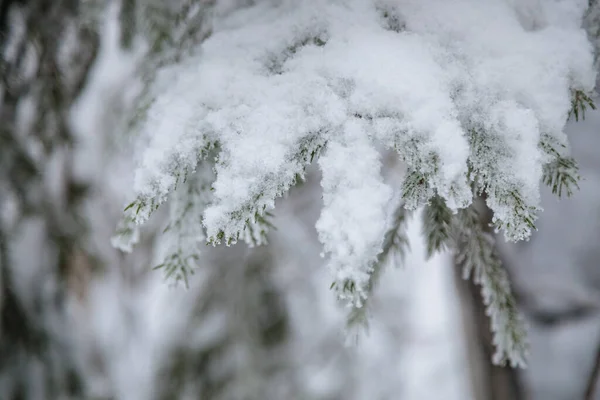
[247, 95]
[45, 55]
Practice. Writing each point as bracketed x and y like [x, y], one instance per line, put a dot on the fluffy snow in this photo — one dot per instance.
[463, 91]
[353, 222]
[279, 81]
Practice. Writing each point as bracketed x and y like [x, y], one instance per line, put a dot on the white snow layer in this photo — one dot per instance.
[279, 81]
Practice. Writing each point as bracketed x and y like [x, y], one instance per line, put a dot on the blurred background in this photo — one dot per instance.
[82, 320]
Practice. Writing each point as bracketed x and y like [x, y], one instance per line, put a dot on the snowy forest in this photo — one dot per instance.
[299, 200]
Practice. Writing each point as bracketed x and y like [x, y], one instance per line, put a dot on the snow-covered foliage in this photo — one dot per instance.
[479, 259]
[473, 95]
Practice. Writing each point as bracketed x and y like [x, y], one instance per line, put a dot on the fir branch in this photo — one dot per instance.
[256, 230]
[395, 245]
[180, 168]
[437, 219]
[307, 150]
[126, 235]
[478, 257]
[423, 169]
[521, 221]
[562, 172]
[579, 103]
[513, 214]
[562, 175]
[171, 30]
[185, 232]
[416, 189]
[178, 266]
[276, 61]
